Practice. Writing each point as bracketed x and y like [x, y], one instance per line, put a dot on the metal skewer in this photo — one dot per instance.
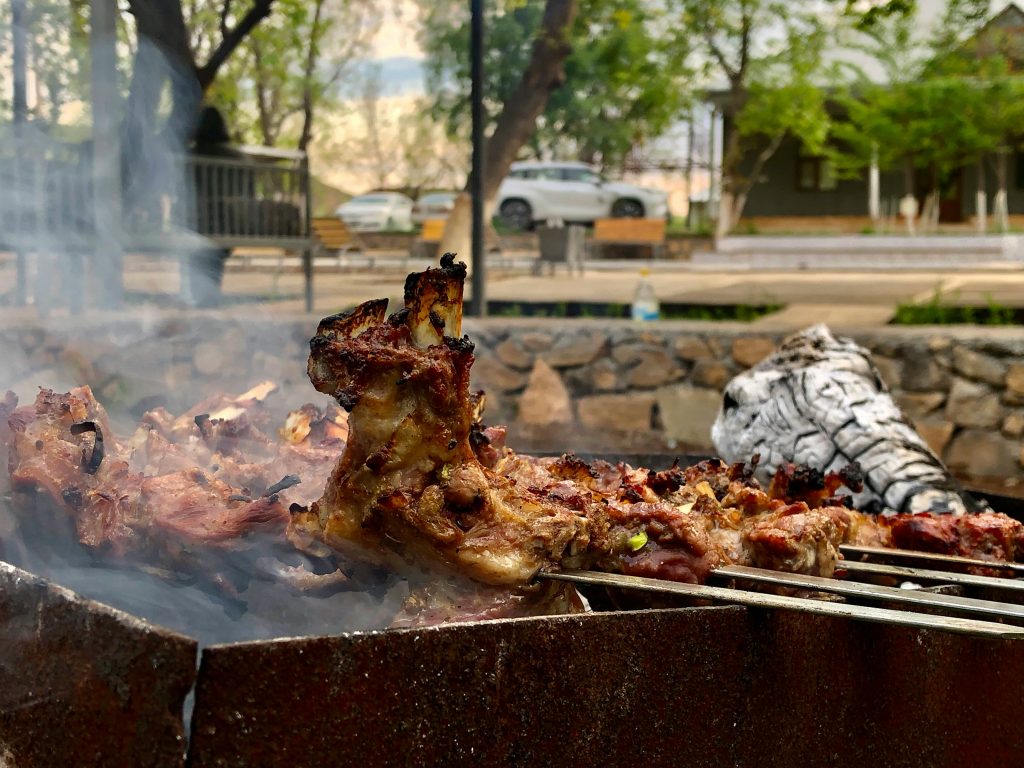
[783, 602]
[911, 554]
[911, 597]
[924, 574]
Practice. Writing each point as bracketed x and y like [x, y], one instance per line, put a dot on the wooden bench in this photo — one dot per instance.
[333, 236]
[640, 232]
[425, 246]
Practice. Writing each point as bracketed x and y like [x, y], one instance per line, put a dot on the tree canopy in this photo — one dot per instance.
[625, 77]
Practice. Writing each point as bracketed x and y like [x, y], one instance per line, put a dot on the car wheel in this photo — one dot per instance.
[516, 214]
[628, 208]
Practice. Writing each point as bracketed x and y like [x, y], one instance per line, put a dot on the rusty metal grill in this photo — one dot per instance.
[85, 685]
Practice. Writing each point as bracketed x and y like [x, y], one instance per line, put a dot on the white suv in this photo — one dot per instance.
[572, 192]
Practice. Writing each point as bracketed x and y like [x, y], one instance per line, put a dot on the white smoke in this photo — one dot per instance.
[71, 258]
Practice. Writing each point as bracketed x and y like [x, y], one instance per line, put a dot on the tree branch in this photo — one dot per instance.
[763, 157]
[717, 52]
[224, 13]
[745, 24]
[259, 11]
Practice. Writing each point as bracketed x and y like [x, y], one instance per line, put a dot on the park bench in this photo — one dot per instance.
[425, 246]
[333, 236]
[630, 232]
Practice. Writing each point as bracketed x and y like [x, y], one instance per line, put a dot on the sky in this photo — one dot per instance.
[397, 53]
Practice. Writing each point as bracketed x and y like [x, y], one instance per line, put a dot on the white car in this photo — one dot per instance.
[436, 205]
[377, 212]
[572, 192]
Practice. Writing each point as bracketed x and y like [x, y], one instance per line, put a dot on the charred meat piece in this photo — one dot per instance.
[984, 536]
[165, 496]
[409, 484]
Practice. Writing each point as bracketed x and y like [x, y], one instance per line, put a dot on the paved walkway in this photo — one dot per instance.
[842, 298]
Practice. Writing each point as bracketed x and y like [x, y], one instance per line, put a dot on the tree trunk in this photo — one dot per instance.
[163, 55]
[263, 111]
[908, 205]
[874, 190]
[723, 225]
[734, 199]
[312, 56]
[148, 173]
[1000, 210]
[730, 176]
[981, 199]
[936, 212]
[518, 119]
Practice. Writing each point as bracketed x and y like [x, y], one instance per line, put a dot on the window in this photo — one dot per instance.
[815, 174]
[581, 174]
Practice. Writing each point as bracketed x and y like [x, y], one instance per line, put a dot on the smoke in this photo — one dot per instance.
[80, 217]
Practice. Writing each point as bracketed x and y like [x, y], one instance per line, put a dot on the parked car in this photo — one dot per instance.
[436, 205]
[377, 212]
[572, 192]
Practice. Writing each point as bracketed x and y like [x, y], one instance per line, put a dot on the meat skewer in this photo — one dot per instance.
[855, 568]
[894, 553]
[784, 602]
[412, 480]
[421, 480]
[913, 598]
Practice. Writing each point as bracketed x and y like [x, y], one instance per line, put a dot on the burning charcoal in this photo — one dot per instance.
[819, 402]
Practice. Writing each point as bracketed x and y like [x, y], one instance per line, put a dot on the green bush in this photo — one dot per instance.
[938, 311]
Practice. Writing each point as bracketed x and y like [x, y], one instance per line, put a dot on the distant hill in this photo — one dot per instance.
[399, 75]
[327, 198]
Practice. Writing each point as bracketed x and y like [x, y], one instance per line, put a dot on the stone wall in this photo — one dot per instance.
[610, 383]
[591, 385]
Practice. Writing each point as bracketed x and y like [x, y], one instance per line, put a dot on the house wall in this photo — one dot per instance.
[776, 195]
[1014, 186]
[776, 192]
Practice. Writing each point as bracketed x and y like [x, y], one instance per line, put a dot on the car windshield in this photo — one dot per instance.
[368, 200]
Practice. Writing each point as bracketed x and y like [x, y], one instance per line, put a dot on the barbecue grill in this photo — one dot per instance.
[701, 684]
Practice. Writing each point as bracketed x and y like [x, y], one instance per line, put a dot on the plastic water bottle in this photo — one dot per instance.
[645, 301]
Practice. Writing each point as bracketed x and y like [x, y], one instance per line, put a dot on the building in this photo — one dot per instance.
[797, 191]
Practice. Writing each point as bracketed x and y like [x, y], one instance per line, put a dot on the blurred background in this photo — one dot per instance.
[667, 188]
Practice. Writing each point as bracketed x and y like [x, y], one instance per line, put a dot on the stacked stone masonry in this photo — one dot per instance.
[588, 385]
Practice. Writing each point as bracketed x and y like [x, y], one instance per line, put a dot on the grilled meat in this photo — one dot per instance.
[985, 536]
[408, 483]
[421, 480]
[176, 491]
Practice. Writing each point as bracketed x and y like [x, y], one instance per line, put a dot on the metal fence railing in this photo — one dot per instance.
[254, 197]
